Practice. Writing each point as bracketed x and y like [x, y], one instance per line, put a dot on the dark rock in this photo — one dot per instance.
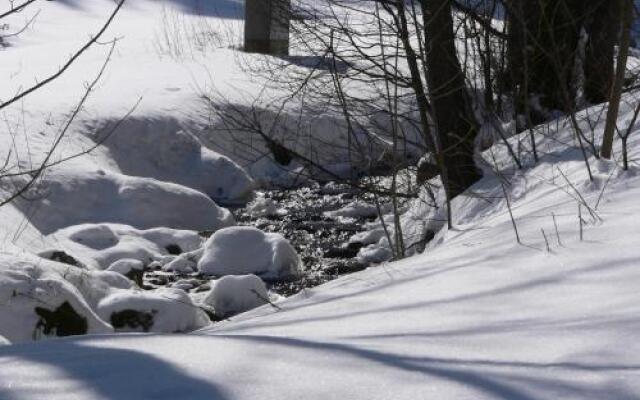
[173, 249]
[63, 257]
[133, 319]
[63, 321]
[136, 275]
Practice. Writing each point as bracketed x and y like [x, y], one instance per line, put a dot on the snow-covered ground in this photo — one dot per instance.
[477, 316]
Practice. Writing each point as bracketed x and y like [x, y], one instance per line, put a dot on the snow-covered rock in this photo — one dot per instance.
[232, 295]
[160, 147]
[4, 341]
[246, 250]
[39, 299]
[264, 207]
[357, 209]
[100, 245]
[162, 310]
[71, 196]
[184, 263]
[129, 267]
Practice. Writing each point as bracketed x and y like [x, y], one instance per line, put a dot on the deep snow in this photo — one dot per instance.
[477, 316]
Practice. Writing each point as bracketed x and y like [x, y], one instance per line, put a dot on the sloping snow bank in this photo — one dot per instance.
[39, 299]
[160, 147]
[247, 250]
[100, 245]
[72, 196]
[162, 310]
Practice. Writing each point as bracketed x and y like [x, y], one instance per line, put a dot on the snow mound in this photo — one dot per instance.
[4, 341]
[184, 263]
[246, 250]
[357, 209]
[101, 245]
[42, 299]
[162, 311]
[264, 207]
[129, 267]
[72, 196]
[232, 295]
[160, 147]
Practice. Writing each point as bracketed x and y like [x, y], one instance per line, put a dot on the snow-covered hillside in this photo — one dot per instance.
[476, 316]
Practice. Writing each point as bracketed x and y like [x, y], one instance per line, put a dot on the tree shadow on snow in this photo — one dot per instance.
[494, 379]
[109, 373]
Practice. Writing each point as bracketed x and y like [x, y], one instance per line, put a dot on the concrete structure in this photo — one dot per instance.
[266, 28]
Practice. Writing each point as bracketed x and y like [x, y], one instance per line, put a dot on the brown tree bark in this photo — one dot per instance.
[603, 27]
[455, 122]
[543, 43]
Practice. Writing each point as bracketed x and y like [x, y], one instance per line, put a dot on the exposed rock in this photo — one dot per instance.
[63, 321]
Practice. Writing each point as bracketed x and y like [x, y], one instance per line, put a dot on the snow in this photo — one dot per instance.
[125, 266]
[163, 310]
[477, 316]
[29, 284]
[246, 250]
[160, 148]
[72, 197]
[101, 245]
[358, 209]
[4, 341]
[185, 262]
[231, 295]
[261, 206]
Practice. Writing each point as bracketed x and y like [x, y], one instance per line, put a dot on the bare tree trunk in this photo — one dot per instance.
[455, 121]
[603, 28]
[543, 41]
[626, 9]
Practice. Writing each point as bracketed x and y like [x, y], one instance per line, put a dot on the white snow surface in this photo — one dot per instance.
[101, 245]
[477, 316]
[246, 250]
[232, 295]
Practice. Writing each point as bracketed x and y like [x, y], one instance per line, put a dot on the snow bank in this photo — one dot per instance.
[100, 245]
[71, 197]
[246, 250]
[232, 295]
[41, 299]
[162, 310]
[160, 147]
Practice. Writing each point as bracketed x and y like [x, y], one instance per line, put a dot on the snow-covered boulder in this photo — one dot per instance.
[100, 245]
[261, 206]
[357, 209]
[232, 295]
[184, 263]
[160, 147]
[129, 267]
[75, 196]
[39, 299]
[162, 310]
[245, 250]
